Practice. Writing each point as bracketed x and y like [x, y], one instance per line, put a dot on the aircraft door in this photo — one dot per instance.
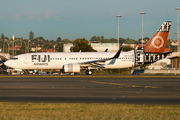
[25, 59]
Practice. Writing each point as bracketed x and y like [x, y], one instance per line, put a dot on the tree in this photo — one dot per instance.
[102, 39]
[58, 42]
[41, 38]
[98, 39]
[145, 38]
[112, 40]
[168, 43]
[82, 45]
[93, 38]
[126, 48]
[129, 41]
[58, 39]
[31, 35]
[121, 40]
[173, 48]
[2, 36]
[65, 41]
[145, 66]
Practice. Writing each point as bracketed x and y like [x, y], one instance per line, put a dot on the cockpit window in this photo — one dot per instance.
[14, 58]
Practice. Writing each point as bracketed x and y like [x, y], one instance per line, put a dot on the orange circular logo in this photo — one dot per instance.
[157, 42]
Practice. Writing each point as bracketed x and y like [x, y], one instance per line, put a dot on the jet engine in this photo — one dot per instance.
[71, 68]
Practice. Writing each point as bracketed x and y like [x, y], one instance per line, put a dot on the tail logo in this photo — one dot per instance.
[157, 42]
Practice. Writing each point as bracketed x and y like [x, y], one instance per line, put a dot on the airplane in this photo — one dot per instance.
[74, 62]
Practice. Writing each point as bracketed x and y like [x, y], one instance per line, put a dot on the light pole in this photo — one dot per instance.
[15, 45]
[118, 29]
[13, 37]
[142, 13]
[27, 43]
[25, 46]
[8, 46]
[4, 45]
[178, 40]
[28, 46]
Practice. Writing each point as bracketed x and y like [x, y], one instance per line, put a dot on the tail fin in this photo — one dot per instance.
[158, 42]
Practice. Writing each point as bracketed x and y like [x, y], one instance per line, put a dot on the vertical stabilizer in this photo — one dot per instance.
[157, 43]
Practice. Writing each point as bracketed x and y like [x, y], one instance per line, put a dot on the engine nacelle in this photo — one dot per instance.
[71, 68]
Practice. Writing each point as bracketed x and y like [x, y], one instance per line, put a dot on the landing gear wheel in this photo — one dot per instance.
[24, 72]
[88, 72]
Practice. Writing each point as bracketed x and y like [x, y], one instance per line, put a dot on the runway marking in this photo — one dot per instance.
[134, 86]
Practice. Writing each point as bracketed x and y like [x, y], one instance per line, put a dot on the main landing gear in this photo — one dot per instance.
[88, 72]
[24, 72]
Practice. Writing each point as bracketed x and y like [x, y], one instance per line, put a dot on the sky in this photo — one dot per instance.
[74, 19]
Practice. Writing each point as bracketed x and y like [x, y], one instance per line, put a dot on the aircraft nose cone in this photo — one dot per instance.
[7, 63]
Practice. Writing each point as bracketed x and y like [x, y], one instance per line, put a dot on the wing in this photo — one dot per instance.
[99, 63]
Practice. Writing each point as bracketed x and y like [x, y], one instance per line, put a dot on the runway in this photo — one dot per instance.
[133, 90]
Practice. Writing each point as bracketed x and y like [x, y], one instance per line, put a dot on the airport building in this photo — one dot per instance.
[100, 47]
[175, 60]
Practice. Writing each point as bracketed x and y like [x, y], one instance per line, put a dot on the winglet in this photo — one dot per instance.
[117, 54]
[106, 50]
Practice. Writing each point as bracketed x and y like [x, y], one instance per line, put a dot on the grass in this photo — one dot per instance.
[68, 111]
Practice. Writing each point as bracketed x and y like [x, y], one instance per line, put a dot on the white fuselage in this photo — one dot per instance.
[57, 60]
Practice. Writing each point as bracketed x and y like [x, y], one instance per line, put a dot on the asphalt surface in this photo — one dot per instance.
[106, 89]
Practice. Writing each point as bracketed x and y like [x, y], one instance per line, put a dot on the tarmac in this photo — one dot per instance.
[91, 89]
